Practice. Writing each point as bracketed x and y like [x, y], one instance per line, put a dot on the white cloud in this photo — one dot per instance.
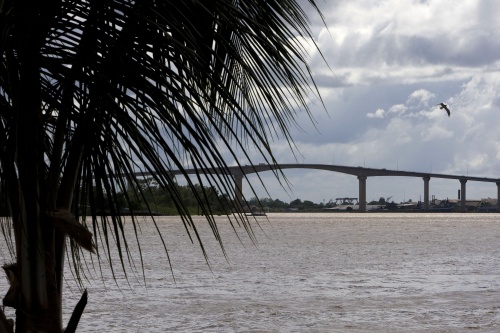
[391, 63]
[373, 40]
[435, 132]
[380, 113]
[398, 109]
[420, 97]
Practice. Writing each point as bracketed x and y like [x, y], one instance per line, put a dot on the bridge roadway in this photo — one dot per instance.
[361, 173]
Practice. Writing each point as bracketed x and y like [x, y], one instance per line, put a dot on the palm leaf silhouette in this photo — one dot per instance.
[95, 93]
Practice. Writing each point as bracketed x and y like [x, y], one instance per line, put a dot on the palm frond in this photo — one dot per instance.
[139, 87]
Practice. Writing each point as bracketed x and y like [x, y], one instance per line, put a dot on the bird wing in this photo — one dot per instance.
[447, 110]
[444, 106]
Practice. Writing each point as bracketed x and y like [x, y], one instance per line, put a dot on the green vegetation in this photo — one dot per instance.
[147, 195]
[277, 205]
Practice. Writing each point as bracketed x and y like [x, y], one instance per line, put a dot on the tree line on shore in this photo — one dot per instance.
[146, 195]
[277, 205]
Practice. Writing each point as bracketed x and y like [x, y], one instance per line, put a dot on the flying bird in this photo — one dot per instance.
[444, 106]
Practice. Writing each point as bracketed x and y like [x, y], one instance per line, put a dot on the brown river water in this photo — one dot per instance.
[333, 272]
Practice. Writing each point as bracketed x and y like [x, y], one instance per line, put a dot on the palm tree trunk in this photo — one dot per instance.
[39, 308]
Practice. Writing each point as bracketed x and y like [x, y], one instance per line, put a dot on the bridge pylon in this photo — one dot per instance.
[362, 193]
[498, 196]
[463, 198]
[238, 191]
[426, 192]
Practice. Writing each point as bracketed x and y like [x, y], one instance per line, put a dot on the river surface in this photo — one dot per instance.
[336, 272]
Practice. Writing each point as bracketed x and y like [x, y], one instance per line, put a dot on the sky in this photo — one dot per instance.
[388, 65]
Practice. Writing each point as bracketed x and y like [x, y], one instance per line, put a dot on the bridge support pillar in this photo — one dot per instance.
[238, 191]
[362, 193]
[463, 202]
[498, 197]
[426, 192]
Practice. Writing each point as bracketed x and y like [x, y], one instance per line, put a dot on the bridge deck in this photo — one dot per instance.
[355, 171]
[362, 173]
